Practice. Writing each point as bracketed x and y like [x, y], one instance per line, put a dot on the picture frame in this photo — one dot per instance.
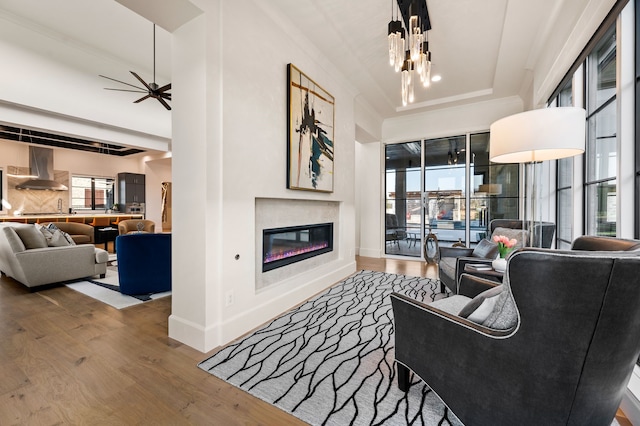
[310, 136]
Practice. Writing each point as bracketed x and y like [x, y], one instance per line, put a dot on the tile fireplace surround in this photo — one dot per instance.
[280, 213]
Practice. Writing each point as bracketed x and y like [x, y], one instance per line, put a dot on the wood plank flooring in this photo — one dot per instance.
[66, 358]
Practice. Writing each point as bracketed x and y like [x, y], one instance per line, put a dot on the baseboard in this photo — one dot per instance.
[192, 334]
[631, 407]
[369, 253]
[235, 327]
[206, 339]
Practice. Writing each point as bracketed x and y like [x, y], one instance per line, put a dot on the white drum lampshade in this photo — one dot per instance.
[538, 135]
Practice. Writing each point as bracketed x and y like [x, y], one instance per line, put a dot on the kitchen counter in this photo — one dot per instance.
[54, 217]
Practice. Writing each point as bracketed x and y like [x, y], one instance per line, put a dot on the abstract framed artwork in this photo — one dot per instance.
[310, 146]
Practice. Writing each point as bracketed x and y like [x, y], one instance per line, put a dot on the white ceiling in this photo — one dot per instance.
[482, 49]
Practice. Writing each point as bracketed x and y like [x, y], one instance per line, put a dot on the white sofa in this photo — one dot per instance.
[25, 258]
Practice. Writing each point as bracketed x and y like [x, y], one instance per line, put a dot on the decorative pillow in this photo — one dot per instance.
[485, 248]
[68, 238]
[31, 237]
[480, 307]
[58, 239]
[521, 236]
[54, 236]
[504, 315]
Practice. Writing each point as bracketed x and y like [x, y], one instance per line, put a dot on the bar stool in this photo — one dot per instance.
[120, 219]
[75, 219]
[101, 221]
[15, 220]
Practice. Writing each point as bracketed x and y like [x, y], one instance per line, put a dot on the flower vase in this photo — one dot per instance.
[499, 264]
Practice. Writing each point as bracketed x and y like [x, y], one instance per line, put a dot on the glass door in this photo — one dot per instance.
[403, 219]
[445, 190]
[441, 192]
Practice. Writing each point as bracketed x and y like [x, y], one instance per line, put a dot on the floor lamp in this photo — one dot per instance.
[535, 136]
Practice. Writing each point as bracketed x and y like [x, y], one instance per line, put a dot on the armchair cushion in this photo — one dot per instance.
[451, 305]
[504, 315]
[480, 307]
[486, 249]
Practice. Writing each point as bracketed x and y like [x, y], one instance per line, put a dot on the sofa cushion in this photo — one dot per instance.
[13, 238]
[54, 236]
[481, 306]
[31, 237]
[521, 236]
[54, 228]
[485, 248]
[58, 239]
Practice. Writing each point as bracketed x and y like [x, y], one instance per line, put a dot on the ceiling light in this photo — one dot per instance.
[436, 78]
[414, 59]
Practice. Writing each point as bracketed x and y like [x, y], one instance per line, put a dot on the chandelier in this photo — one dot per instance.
[411, 57]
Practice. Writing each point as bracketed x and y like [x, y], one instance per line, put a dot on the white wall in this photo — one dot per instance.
[231, 149]
[369, 197]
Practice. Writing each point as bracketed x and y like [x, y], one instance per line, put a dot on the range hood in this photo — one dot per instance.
[41, 165]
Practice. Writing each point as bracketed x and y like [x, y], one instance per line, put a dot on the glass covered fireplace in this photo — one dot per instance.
[283, 246]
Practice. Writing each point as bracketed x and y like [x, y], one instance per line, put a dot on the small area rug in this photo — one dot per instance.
[107, 290]
[330, 361]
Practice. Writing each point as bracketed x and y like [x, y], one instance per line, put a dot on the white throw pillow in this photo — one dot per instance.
[480, 307]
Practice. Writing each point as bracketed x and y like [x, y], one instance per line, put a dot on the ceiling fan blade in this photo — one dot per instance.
[165, 95]
[144, 83]
[126, 90]
[142, 98]
[118, 81]
[164, 88]
[166, 105]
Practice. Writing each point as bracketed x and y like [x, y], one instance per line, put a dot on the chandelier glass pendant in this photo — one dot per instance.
[410, 57]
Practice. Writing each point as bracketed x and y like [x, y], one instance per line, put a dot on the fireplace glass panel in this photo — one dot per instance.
[283, 246]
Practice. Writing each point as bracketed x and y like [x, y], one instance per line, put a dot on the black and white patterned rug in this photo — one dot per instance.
[331, 360]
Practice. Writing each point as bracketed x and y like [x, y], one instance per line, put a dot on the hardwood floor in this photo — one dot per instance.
[69, 359]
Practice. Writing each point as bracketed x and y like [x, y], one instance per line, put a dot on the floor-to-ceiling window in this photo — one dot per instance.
[494, 187]
[445, 186]
[564, 183]
[601, 149]
[403, 222]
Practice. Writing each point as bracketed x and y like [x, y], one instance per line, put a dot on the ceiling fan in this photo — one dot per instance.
[151, 90]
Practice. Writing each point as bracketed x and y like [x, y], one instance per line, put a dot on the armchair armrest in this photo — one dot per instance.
[471, 285]
[455, 251]
[453, 355]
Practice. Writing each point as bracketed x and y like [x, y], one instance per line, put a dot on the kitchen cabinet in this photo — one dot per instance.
[131, 187]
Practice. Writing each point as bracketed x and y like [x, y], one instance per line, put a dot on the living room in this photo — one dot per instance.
[228, 155]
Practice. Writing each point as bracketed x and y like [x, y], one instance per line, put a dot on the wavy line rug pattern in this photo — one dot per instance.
[330, 361]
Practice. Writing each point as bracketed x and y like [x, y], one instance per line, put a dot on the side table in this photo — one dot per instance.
[105, 234]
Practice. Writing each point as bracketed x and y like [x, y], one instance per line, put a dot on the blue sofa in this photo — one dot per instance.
[144, 263]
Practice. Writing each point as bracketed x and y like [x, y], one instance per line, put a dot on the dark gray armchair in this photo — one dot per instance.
[453, 259]
[566, 357]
